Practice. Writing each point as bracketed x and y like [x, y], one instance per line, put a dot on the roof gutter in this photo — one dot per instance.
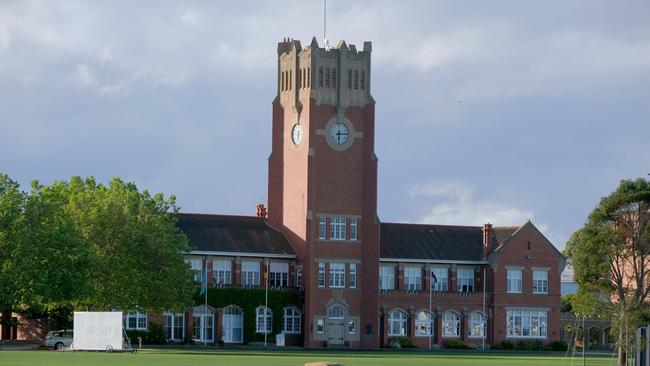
[432, 261]
[242, 254]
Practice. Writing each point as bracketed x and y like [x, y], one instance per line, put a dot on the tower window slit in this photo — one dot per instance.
[334, 78]
[320, 77]
[327, 77]
[349, 79]
[363, 80]
[356, 79]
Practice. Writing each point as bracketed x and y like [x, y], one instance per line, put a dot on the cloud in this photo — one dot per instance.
[454, 203]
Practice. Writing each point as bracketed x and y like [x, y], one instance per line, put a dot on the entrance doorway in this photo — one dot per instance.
[336, 325]
[233, 325]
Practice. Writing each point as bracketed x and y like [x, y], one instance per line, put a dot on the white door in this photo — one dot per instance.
[233, 326]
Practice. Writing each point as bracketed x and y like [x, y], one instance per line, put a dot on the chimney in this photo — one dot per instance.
[488, 240]
[261, 211]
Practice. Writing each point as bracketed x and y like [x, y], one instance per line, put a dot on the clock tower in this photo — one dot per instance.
[323, 187]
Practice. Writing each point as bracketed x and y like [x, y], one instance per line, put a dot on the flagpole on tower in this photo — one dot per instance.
[327, 44]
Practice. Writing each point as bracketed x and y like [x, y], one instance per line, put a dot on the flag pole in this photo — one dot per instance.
[205, 308]
[266, 300]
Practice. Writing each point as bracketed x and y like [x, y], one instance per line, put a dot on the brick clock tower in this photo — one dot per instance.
[323, 188]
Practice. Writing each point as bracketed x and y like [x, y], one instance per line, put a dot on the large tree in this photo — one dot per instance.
[611, 258]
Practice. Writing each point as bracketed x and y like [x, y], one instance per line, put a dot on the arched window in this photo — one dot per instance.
[450, 324]
[291, 320]
[477, 324]
[336, 312]
[424, 324]
[264, 320]
[396, 323]
[203, 324]
[233, 324]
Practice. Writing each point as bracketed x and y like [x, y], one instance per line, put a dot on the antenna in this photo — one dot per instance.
[327, 44]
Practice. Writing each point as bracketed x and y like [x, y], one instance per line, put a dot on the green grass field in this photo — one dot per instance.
[198, 357]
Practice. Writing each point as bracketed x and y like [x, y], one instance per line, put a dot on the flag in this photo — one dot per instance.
[204, 281]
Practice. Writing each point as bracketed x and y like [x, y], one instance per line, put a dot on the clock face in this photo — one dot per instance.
[339, 133]
[297, 134]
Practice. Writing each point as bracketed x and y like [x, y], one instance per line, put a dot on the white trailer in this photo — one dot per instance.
[98, 331]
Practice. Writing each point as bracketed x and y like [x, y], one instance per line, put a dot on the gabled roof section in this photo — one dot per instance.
[431, 242]
[504, 233]
[232, 234]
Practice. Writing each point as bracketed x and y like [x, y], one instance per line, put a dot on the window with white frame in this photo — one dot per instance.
[386, 277]
[353, 275]
[299, 276]
[278, 274]
[320, 325]
[439, 279]
[135, 320]
[352, 326]
[203, 324]
[354, 229]
[336, 312]
[222, 271]
[197, 268]
[526, 324]
[450, 324]
[337, 275]
[173, 326]
[322, 228]
[291, 320]
[465, 280]
[424, 324]
[412, 278]
[514, 276]
[250, 273]
[264, 320]
[477, 324]
[396, 323]
[321, 274]
[540, 281]
[337, 228]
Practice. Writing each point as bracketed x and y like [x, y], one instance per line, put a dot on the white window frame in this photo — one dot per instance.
[278, 274]
[203, 329]
[386, 277]
[291, 321]
[354, 229]
[320, 325]
[337, 228]
[442, 277]
[298, 276]
[263, 319]
[140, 319]
[451, 324]
[477, 325]
[412, 278]
[397, 320]
[424, 323]
[196, 264]
[353, 275]
[322, 228]
[321, 274]
[250, 273]
[233, 324]
[540, 282]
[465, 277]
[514, 281]
[532, 324]
[352, 326]
[172, 323]
[337, 275]
[222, 271]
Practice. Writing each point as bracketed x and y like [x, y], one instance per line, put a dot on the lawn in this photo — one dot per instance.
[198, 357]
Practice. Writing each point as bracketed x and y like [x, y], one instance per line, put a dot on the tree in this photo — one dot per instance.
[611, 258]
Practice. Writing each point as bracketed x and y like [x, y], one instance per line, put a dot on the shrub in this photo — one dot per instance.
[458, 344]
[401, 342]
[530, 345]
[153, 335]
[559, 346]
[506, 344]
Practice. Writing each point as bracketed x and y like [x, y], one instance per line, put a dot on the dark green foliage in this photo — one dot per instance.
[153, 335]
[249, 300]
[403, 342]
[566, 305]
[507, 345]
[530, 345]
[458, 344]
[559, 346]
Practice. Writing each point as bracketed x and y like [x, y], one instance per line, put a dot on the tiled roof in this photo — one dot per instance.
[224, 233]
[504, 233]
[431, 242]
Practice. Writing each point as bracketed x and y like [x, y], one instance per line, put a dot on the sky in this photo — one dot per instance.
[498, 111]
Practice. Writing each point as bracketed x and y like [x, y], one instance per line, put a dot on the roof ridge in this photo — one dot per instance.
[219, 215]
[438, 225]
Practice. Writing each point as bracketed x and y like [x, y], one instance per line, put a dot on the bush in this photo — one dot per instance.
[508, 345]
[530, 345]
[153, 335]
[559, 346]
[401, 342]
[458, 344]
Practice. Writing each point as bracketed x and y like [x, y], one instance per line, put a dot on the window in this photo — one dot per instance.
[450, 324]
[321, 274]
[298, 276]
[320, 76]
[337, 312]
[327, 77]
[337, 228]
[203, 324]
[540, 282]
[363, 79]
[353, 229]
[291, 320]
[526, 324]
[221, 271]
[263, 320]
[197, 268]
[320, 325]
[334, 78]
[424, 324]
[135, 320]
[352, 326]
[465, 280]
[514, 281]
[309, 76]
[439, 279]
[322, 228]
[233, 324]
[173, 326]
[290, 81]
[412, 278]
[477, 323]
[356, 79]
[303, 78]
[250, 273]
[337, 275]
[353, 275]
[396, 323]
[279, 274]
[349, 79]
[282, 81]
[386, 278]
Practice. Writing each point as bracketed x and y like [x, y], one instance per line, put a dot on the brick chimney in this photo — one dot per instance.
[261, 211]
[488, 240]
